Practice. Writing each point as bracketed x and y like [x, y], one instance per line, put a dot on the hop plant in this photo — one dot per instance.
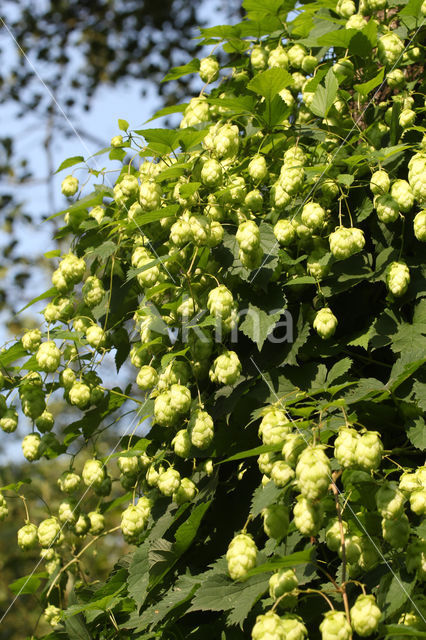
[313, 473]
[365, 615]
[93, 291]
[335, 626]
[27, 536]
[420, 226]
[293, 446]
[31, 340]
[67, 512]
[248, 236]
[402, 194]
[258, 58]
[93, 473]
[182, 443]
[69, 186]
[168, 482]
[132, 523]
[53, 615]
[333, 534]
[282, 582]
[79, 394]
[49, 533]
[325, 323]
[48, 356]
[201, 429]
[241, 556]
[147, 377]
[313, 216]
[31, 447]
[268, 627]
[281, 473]
[346, 242]
[128, 464]
[398, 278]
[275, 521]
[379, 183]
[209, 69]
[390, 48]
[345, 446]
[396, 531]
[9, 420]
[257, 169]
[211, 173]
[97, 522]
[368, 451]
[226, 368]
[274, 426]
[69, 482]
[186, 492]
[307, 516]
[72, 268]
[390, 500]
[387, 209]
[4, 511]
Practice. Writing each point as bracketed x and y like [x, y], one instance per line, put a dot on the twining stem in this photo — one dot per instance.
[77, 557]
[27, 515]
[342, 541]
[315, 591]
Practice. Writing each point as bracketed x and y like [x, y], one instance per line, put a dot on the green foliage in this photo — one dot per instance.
[276, 318]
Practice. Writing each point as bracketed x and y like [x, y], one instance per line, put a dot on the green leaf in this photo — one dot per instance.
[299, 557]
[103, 251]
[183, 70]
[264, 496]
[137, 582]
[55, 253]
[270, 82]
[365, 88]
[9, 356]
[300, 281]
[47, 294]
[258, 324]
[219, 593]
[187, 531]
[75, 626]
[394, 590]
[69, 162]
[337, 38]
[338, 370]
[397, 630]
[176, 108]
[15, 486]
[417, 434]
[410, 337]
[325, 96]
[123, 124]
[27, 584]
[264, 448]
[302, 332]
[404, 367]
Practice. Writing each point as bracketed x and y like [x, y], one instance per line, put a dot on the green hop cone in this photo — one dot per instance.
[133, 523]
[389, 500]
[4, 511]
[345, 447]
[325, 323]
[67, 512]
[93, 291]
[211, 173]
[27, 536]
[53, 615]
[390, 48]
[69, 482]
[79, 395]
[257, 169]
[165, 413]
[419, 226]
[147, 377]
[69, 186]
[313, 473]
[387, 208]
[396, 531]
[275, 521]
[168, 482]
[31, 447]
[81, 525]
[150, 195]
[416, 176]
[97, 522]
[209, 69]
[398, 278]
[278, 58]
[72, 268]
[293, 446]
[201, 429]
[128, 464]
[379, 183]
[258, 58]
[31, 340]
[345, 242]
[95, 336]
[93, 473]
[268, 627]
[313, 216]
[281, 473]
[186, 492]
[241, 556]
[406, 118]
[333, 536]
[9, 420]
[294, 627]
[48, 356]
[49, 533]
[365, 615]
[418, 501]
[282, 582]
[181, 443]
[226, 368]
[403, 195]
[307, 516]
[335, 626]
[274, 427]
[369, 451]
[45, 422]
[248, 236]
[345, 8]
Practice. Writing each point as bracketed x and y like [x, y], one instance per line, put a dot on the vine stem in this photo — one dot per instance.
[321, 593]
[342, 540]
[77, 557]
[27, 515]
